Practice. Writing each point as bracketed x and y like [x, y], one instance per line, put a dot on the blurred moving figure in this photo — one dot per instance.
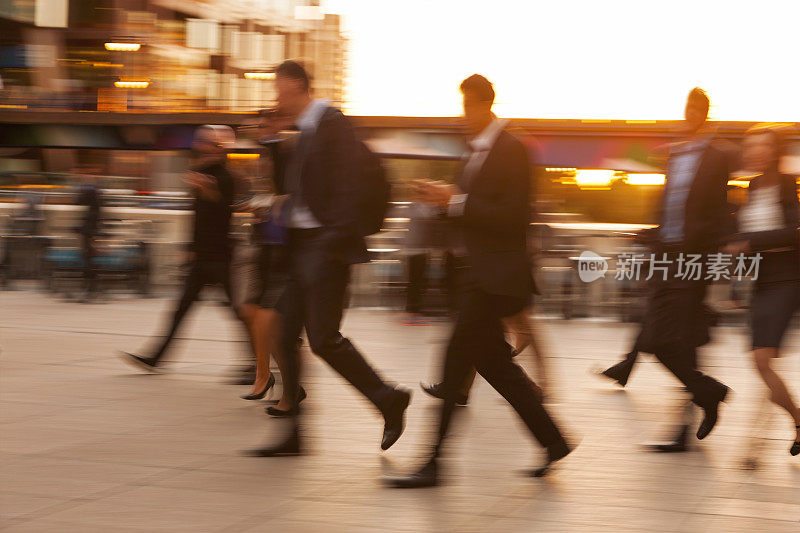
[769, 224]
[694, 219]
[21, 255]
[30, 219]
[427, 233]
[89, 196]
[490, 205]
[322, 179]
[271, 274]
[210, 251]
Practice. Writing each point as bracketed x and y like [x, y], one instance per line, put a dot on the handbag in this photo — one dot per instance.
[272, 232]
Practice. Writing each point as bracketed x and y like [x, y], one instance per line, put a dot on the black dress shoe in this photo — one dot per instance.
[287, 448]
[283, 413]
[795, 449]
[437, 391]
[710, 415]
[554, 453]
[260, 395]
[621, 371]
[394, 417]
[150, 364]
[424, 477]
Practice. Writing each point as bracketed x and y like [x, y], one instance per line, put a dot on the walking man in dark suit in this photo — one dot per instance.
[321, 181]
[490, 206]
[694, 221]
[210, 252]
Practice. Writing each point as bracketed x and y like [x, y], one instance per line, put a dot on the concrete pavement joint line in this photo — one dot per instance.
[69, 503]
[111, 333]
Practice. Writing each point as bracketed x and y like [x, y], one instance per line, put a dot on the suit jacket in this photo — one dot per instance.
[495, 220]
[676, 318]
[783, 265]
[329, 173]
[708, 220]
[212, 218]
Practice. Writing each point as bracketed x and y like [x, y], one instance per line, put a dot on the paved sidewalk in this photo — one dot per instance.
[87, 444]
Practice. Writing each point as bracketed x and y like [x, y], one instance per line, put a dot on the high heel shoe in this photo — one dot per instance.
[795, 449]
[274, 411]
[260, 395]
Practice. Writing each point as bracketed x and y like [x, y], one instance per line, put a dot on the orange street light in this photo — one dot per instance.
[123, 47]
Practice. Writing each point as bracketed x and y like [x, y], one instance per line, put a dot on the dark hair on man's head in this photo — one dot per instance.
[295, 71]
[480, 87]
[699, 97]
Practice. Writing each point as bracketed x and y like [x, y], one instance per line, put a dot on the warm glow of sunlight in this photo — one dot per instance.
[615, 59]
[645, 179]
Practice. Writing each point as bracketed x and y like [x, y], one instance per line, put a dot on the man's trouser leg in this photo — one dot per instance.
[191, 290]
[478, 340]
[324, 279]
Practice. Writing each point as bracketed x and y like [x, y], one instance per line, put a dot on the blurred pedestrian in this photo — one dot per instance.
[90, 198]
[694, 221]
[769, 224]
[209, 255]
[268, 272]
[324, 180]
[490, 205]
[427, 233]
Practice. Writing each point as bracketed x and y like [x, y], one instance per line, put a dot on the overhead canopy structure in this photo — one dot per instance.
[573, 144]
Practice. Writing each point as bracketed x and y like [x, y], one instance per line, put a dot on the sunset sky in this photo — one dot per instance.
[620, 59]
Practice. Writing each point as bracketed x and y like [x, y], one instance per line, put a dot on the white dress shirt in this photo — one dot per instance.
[480, 146]
[763, 211]
[307, 122]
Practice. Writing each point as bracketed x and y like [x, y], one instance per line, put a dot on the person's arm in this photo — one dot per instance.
[204, 186]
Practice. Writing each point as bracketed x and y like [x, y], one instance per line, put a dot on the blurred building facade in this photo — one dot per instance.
[192, 55]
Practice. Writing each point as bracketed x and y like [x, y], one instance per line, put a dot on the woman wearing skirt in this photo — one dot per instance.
[768, 225]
